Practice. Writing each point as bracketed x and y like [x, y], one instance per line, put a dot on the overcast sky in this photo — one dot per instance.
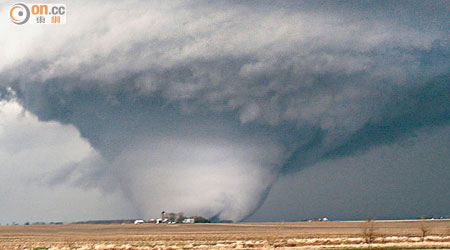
[241, 110]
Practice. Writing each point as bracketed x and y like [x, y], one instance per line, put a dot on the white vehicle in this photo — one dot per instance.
[139, 222]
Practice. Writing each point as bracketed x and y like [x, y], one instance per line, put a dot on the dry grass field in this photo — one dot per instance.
[292, 235]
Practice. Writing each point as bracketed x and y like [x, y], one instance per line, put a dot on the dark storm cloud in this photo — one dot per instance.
[402, 180]
[291, 84]
[428, 106]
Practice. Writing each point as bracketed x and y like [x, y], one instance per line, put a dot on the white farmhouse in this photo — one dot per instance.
[189, 221]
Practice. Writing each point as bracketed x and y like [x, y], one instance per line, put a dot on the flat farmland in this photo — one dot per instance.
[287, 235]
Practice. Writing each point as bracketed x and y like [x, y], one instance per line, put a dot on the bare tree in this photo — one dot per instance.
[172, 216]
[180, 217]
[424, 229]
[369, 230]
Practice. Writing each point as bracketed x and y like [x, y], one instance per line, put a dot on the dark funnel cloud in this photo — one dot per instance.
[200, 107]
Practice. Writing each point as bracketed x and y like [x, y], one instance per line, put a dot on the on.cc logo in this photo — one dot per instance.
[19, 13]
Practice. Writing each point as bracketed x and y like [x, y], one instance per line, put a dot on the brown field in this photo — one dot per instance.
[292, 235]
